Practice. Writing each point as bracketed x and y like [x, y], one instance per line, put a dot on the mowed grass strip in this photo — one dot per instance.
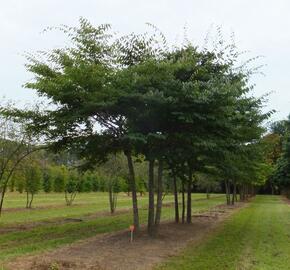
[85, 204]
[48, 237]
[18, 200]
[257, 237]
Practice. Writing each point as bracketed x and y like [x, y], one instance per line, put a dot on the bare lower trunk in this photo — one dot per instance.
[183, 202]
[69, 197]
[234, 193]
[151, 198]
[132, 184]
[272, 190]
[3, 191]
[27, 199]
[176, 200]
[2, 200]
[189, 186]
[31, 200]
[112, 200]
[228, 192]
[159, 194]
[207, 193]
[243, 193]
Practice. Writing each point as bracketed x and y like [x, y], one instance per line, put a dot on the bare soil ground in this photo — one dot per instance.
[114, 251]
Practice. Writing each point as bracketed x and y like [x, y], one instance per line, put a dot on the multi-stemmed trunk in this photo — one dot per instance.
[132, 184]
[189, 186]
[29, 200]
[159, 194]
[234, 193]
[228, 191]
[151, 198]
[183, 202]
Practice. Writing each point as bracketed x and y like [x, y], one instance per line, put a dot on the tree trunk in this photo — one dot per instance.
[234, 193]
[27, 199]
[132, 184]
[151, 206]
[151, 198]
[243, 192]
[31, 200]
[111, 200]
[189, 186]
[207, 193]
[159, 194]
[272, 190]
[115, 200]
[2, 199]
[228, 192]
[246, 192]
[183, 202]
[176, 200]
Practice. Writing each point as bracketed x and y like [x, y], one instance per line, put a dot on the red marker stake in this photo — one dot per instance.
[131, 232]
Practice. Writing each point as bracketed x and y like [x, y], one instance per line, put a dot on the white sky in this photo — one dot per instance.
[260, 26]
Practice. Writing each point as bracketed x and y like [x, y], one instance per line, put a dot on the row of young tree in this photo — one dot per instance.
[183, 110]
[31, 178]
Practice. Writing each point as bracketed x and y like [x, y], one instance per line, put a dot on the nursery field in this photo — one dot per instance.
[50, 223]
[251, 235]
[52, 206]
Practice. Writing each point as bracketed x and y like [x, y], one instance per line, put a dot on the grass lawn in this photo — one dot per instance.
[17, 200]
[54, 206]
[46, 237]
[257, 237]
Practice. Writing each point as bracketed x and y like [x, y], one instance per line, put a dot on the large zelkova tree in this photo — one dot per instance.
[179, 109]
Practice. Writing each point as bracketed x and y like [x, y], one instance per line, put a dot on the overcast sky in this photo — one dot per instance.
[260, 26]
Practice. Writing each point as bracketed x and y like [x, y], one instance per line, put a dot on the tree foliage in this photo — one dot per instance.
[182, 109]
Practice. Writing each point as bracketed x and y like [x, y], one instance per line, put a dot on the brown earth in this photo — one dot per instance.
[114, 250]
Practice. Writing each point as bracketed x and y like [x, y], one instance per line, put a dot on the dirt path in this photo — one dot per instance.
[114, 251]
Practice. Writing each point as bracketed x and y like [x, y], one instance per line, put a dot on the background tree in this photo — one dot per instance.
[47, 180]
[208, 183]
[32, 182]
[60, 174]
[72, 186]
[15, 145]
